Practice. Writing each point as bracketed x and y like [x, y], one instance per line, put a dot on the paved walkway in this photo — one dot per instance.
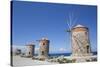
[21, 61]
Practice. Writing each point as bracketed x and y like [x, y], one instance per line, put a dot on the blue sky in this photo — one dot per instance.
[33, 20]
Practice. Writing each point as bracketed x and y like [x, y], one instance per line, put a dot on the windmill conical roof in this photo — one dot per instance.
[79, 26]
[44, 38]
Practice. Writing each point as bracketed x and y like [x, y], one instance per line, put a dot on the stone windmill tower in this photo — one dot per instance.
[43, 48]
[80, 41]
[79, 37]
[30, 49]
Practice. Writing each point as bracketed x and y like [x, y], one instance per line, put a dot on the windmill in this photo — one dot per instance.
[43, 48]
[30, 51]
[79, 37]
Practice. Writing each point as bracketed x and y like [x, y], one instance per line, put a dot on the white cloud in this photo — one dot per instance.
[14, 47]
[17, 46]
[66, 50]
[62, 49]
[36, 49]
[52, 49]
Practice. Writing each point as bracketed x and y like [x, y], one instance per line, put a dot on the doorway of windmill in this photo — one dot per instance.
[87, 48]
[42, 52]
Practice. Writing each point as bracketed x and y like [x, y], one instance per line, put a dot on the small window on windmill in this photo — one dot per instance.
[87, 48]
[43, 43]
[85, 33]
[29, 52]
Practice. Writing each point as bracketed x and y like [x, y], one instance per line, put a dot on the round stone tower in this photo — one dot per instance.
[30, 50]
[80, 41]
[44, 48]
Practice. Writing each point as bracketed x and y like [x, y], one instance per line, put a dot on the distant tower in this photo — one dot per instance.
[30, 50]
[80, 41]
[17, 51]
[44, 48]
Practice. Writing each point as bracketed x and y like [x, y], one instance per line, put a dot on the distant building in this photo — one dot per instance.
[80, 41]
[17, 51]
[43, 48]
[30, 49]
